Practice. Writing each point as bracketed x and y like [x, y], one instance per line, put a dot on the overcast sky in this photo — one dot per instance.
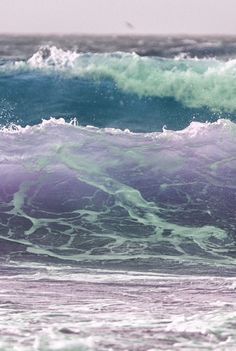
[118, 16]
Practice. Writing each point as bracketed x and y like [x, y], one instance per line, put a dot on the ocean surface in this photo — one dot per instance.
[117, 193]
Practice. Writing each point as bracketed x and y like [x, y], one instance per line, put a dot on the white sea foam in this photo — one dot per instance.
[65, 312]
[53, 57]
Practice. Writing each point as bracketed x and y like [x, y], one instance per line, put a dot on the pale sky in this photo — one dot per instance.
[111, 16]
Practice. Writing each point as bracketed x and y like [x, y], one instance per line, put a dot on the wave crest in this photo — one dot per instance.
[193, 131]
[48, 56]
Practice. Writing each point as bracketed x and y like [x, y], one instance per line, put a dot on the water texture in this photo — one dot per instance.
[117, 193]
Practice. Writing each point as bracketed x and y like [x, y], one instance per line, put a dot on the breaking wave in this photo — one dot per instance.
[195, 82]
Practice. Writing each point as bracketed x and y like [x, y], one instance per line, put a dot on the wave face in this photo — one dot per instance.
[108, 197]
[145, 179]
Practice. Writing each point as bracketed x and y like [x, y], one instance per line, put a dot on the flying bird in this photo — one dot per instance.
[129, 25]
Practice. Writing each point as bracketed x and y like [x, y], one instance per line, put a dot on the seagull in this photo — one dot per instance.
[129, 25]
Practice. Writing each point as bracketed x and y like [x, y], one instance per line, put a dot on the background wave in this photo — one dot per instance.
[120, 90]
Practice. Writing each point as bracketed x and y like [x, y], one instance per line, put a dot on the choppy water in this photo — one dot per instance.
[117, 154]
[71, 309]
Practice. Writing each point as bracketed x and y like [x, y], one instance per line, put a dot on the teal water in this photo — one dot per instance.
[119, 90]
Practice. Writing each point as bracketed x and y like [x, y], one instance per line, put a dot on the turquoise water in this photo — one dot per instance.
[119, 90]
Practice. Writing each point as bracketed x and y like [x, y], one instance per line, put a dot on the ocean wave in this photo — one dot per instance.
[104, 195]
[195, 83]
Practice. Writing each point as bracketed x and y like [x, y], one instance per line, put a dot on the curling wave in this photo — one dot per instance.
[195, 83]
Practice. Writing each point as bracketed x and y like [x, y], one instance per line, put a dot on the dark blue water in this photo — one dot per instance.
[27, 98]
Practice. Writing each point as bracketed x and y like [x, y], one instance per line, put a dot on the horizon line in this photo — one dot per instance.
[181, 34]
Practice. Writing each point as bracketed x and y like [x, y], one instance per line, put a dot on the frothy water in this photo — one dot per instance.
[66, 309]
